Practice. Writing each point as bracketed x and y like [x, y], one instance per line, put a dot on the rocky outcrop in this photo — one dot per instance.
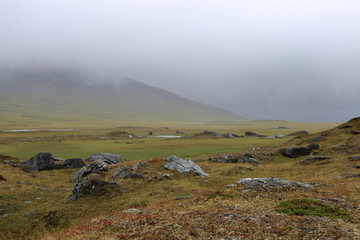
[271, 183]
[183, 166]
[108, 158]
[40, 162]
[315, 159]
[91, 185]
[94, 167]
[125, 173]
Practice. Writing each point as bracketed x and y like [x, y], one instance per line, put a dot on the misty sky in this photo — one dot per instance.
[262, 59]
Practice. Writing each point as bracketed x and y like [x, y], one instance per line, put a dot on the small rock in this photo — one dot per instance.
[354, 158]
[28, 202]
[31, 212]
[231, 185]
[182, 197]
[131, 210]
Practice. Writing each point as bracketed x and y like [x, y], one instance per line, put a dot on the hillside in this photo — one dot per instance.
[343, 139]
[66, 95]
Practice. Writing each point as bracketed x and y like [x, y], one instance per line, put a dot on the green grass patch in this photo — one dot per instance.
[310, 207]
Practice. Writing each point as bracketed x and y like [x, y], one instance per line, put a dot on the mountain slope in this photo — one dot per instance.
[63, 95]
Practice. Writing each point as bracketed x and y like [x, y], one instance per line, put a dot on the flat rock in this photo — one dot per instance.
[314, 159]
[108, 158]
[183, 166]
[271, 183]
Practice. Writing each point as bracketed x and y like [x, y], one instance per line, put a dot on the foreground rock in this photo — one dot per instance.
[40, 162]
[315, 159]
[271, 183]
[108, 158]
[294, 152]
[94, 167]
[92, 185]
[183, 166]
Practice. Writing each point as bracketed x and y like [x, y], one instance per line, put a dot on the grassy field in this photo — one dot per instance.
[35, 206]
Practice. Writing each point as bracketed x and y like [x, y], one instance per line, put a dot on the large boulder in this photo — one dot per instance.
[73, 163]
[108, 158]
[42, 161]
[91, 185]
[94, 167]
[183, 166]
[294, 152]
[271, 183]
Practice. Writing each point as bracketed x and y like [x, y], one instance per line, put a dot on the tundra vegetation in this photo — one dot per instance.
[147, 201]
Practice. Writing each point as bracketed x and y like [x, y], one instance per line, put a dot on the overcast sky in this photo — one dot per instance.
[262, 59]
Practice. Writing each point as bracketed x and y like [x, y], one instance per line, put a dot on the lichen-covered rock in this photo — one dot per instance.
[271, 183]
[40, 162]
[126, 172]
[91, 185]
[108, 158]
[96, 166]
[183, 166]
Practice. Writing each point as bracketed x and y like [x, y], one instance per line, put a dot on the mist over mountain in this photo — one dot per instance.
[51, 94]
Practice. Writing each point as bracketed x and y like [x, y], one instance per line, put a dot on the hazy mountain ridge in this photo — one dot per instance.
[70, 95]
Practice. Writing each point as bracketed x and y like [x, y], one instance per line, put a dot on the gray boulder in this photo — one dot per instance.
[271, 183]
[73, 163]
[40, 162]
[183, 166]
[126, 172]
[96, 166]
[294, 152]
[91, 185]
[105, 157]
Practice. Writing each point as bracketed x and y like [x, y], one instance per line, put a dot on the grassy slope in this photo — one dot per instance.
[178, 219]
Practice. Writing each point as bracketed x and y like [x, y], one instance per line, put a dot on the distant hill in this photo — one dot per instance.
[66, 95]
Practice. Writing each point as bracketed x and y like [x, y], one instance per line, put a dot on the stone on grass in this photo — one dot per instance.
[183, 166]
[271, 183]
[354, 158]
[96, 166]
[91, 185]
[42, 161]
[108, 158]
[294, 152]
[315, 159]
[73, 163]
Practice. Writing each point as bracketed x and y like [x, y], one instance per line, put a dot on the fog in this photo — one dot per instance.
[262, 59]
